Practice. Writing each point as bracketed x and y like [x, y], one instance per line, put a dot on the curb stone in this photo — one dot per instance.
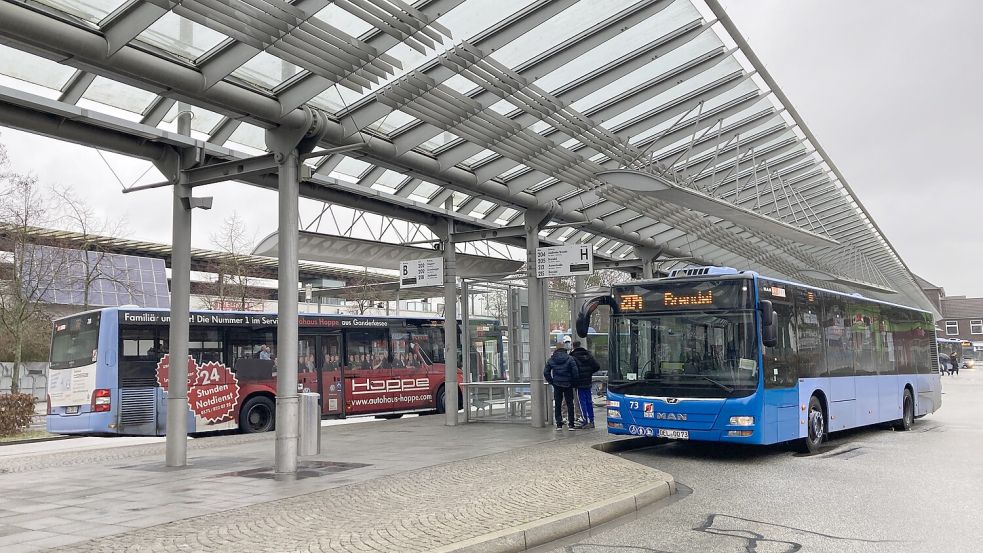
[534, 534]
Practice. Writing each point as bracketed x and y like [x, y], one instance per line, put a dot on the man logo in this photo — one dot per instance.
[670, 416]
[672, 400]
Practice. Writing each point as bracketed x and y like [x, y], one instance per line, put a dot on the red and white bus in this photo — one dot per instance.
[109, 369]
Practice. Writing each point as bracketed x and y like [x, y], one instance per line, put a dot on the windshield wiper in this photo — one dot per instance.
[722, 386]
[633, 383]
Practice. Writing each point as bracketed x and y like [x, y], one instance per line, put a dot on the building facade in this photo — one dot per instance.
[962, 317]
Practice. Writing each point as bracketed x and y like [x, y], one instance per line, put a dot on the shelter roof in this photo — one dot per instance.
[494, 107]
[201, 259]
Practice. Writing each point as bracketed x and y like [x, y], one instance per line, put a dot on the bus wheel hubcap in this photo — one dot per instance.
[817, 425]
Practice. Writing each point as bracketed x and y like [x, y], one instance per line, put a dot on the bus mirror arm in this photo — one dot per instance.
[583, 319]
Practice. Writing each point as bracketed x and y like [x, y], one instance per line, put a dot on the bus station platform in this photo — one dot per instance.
[398, 485]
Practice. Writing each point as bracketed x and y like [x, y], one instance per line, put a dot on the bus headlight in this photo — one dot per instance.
[613, 403]
[742, 421]
[616, 425]
[614, 414]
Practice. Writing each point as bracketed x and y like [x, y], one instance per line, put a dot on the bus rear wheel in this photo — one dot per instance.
[258, 414]
[816, 426]
[907, 412]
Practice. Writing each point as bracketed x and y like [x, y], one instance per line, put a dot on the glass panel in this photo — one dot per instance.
[33, 69]
[669, 19]
[343, 21]
[438, 141]
[92, 11]
[182, 37]
[266, 71]
[724, 68]
[566, 24]
[350, 169]
[426, 190]
[119, 95]
[335, 99]
[392, 121]
[203, 121]
[249, 135]
[465, 20]
[479, 157]
[460, 83]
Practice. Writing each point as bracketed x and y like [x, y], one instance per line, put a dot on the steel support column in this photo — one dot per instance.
[176, 446]
[534, 219]
[648, 257]
[287, 145]
[450, 320]
[287, 305]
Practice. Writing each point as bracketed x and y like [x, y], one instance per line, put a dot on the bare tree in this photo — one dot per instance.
[233, 287]
[33, 269]
[360, 294]
[497, 303]
[89, 256]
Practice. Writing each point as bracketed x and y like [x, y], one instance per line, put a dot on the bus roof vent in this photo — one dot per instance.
[702, 271]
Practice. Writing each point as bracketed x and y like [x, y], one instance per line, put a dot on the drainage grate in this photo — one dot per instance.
[305, 469]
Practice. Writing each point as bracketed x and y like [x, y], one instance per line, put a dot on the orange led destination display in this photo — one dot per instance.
[678, 300]
[632, 302]
[680, 295]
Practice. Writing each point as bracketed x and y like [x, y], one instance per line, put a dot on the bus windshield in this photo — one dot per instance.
[694, 354]
[74, 341]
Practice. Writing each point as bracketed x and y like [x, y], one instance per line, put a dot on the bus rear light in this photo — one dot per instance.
[742, 421]
[101, 400]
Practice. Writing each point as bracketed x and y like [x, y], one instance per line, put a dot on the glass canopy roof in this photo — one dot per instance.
[500, 106]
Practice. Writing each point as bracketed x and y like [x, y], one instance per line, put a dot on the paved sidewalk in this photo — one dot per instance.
[408, 485]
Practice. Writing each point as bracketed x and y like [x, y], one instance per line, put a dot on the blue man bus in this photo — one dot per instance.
[109, 368]
[716, 354]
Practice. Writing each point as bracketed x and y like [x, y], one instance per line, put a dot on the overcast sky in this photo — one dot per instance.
[890, 88]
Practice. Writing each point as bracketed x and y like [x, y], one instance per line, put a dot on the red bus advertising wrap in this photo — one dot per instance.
[359, 366]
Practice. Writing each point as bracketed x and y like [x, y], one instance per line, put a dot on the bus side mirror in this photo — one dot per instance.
[769, 335]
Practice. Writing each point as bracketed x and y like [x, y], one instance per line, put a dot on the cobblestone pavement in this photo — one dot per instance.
[407, 485]
[415, 511]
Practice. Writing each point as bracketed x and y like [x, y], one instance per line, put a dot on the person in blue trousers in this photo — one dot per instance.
[586, 367]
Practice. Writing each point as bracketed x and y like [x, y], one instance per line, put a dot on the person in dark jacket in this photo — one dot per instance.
[561, 372]
[586, 367]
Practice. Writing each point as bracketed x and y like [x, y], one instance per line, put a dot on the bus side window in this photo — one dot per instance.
[780, 362]
[837, 336]
[812, 363]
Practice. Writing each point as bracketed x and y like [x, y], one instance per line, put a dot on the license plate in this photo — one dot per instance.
[674, 434]
[72, 410]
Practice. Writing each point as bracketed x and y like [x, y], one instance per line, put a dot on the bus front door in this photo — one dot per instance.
[329, 376]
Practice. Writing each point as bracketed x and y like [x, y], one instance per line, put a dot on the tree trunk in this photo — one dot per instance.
[15, 374]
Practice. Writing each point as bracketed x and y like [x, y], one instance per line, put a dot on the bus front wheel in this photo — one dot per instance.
[907, 412]
[816, 426]
[257, 415]
[440, 400]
